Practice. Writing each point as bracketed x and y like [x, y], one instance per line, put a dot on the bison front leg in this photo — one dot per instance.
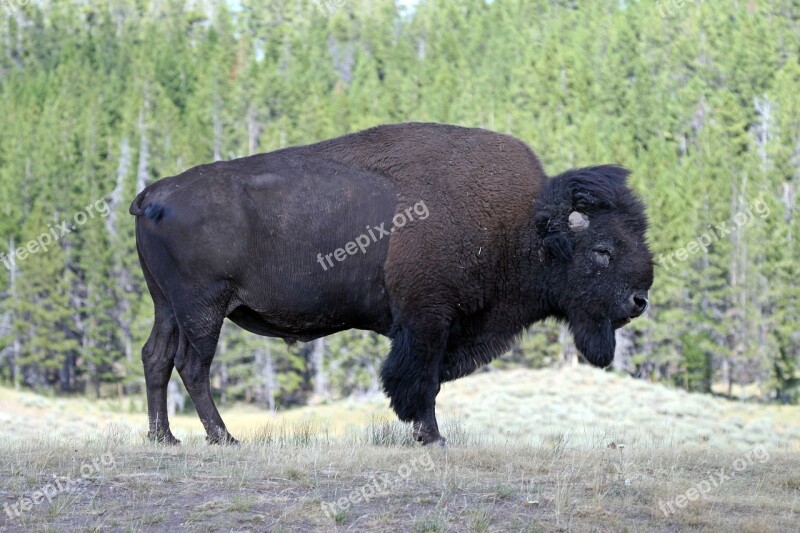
[158, 357]
[410, 378]
[425, 428]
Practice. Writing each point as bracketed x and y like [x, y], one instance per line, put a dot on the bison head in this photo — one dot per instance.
[592, 229]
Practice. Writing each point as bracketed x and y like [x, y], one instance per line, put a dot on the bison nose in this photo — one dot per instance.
[638, 304]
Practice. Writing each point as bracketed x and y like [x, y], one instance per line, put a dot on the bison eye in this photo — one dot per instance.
[602, 255]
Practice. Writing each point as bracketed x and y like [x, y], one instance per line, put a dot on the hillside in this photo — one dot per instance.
[519, 406]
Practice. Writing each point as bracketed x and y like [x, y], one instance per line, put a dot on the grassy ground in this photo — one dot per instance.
[556, 450]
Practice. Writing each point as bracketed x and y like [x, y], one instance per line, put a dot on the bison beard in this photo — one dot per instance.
[595, 340]
[503, 247]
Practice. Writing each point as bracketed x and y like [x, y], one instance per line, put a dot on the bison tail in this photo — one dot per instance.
[152, 210]
[136, 205]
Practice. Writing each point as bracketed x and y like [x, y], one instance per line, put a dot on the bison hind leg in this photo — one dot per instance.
[193, 361]
[200, 323]
[410, 378]
[158, 357]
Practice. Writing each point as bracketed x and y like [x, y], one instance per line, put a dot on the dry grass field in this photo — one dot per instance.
[554, 450]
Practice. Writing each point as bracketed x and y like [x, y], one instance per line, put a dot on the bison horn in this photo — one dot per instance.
[578, 221]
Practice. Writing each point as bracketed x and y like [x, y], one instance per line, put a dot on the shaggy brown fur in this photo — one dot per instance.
[501, 247]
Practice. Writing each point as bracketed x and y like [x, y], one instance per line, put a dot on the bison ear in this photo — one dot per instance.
[558, 245]
[594, 188]
[551, 225]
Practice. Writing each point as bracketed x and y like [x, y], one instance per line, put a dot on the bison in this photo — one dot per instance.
[448, 240]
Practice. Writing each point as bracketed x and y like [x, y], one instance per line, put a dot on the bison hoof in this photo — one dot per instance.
[223, 440]
[441, 442]
[423, 435]
[163, 437]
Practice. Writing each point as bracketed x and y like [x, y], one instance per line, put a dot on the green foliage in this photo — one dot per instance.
[99, 99]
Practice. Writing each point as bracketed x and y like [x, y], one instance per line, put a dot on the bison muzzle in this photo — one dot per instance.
[265, 241]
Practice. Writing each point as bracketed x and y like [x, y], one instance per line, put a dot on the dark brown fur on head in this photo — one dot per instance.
[603, 264]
